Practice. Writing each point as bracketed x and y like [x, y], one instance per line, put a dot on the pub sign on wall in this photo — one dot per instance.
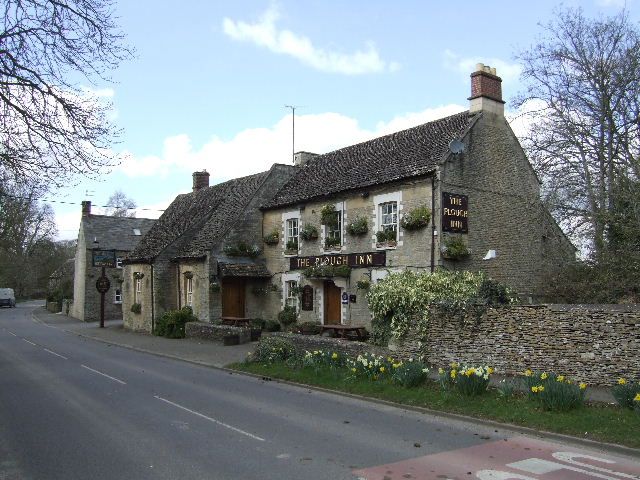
[455, 213]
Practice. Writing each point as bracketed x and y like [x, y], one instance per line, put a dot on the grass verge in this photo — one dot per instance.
[596, 422]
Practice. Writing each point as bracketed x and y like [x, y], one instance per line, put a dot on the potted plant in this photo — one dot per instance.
[358, 227]
[214, 287]
[291, 247]
[309, 232]
[332, 243]
[386, 238]
[272, 238]
[257, 324]
[416, 219]
[288, 316]
[455, 248]
[329, 215]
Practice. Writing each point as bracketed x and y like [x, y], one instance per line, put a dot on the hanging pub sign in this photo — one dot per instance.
[307, 298]
[455, 213]
[353, 260]
[104, 258]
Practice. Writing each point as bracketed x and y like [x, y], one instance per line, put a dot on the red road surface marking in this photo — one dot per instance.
[516, 458]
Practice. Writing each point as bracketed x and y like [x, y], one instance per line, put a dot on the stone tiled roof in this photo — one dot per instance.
[408, 153]
[195, 221]
[114, 233]
[251, 270]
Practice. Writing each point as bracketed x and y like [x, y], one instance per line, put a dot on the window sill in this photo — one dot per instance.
[387, 246]
[291, 253]
[336, 249]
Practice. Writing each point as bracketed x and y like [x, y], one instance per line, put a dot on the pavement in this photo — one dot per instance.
[202, 352]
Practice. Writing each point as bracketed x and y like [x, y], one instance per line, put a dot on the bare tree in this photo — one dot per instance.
[584, 141]
[119, 205]
[51, 128]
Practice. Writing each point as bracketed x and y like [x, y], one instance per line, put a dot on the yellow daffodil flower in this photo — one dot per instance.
[381, 369]
[453, 373]
[528, 373]
[582, 385]
[441, 371]
[544, 376]
[534, 389]
[622, 381]
[637, 397]
[560, 378]
[334, 356]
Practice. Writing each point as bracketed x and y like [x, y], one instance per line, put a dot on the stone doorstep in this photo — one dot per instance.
[214, 332]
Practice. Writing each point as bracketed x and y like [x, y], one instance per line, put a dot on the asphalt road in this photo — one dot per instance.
[73, 408]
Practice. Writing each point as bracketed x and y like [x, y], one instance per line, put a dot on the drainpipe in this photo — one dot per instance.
[179, 290]
[153, 321]
[433, 223]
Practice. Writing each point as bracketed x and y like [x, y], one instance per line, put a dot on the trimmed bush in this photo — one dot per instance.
[172, 322]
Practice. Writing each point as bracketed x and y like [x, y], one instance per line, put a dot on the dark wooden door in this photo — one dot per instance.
[332, 305]
[233, 297]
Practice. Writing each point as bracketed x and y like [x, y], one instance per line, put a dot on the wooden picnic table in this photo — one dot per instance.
[236, 321]
[345, 331]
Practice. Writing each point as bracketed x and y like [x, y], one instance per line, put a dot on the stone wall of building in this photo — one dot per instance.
[413, 249]
[91, 308]
[505, 211]
[199, 273]
[596, 344]
[143, 321]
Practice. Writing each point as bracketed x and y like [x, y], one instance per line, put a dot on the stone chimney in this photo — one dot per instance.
[86, 208]
[300, 158]
[200, 180]
[486, 91]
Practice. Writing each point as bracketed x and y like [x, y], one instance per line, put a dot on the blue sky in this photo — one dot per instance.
[208, 86]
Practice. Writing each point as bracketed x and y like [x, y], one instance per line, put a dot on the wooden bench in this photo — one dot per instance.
[236, 321]
[345, 331]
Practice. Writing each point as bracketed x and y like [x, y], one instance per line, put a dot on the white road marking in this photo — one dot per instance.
[104, 375]
[217, 422]
[25, 340]
[13, 334]
[56, 354]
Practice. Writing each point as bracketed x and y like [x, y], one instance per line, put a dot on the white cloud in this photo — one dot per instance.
[509, 72]
[611, 3]
[265, 34]
[256, 149]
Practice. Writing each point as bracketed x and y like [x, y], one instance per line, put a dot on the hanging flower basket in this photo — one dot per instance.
[416, 219]
[272, 239]
[188, 274]
[214, 287]
[309, 232]
[138, 275]
[358, 227]
[329, 215]
[455, 249]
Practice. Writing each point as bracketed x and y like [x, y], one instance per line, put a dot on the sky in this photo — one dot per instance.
[210, 82]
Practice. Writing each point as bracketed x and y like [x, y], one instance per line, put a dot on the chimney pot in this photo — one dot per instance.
[300, 158]
[200, 180]
[86, 208]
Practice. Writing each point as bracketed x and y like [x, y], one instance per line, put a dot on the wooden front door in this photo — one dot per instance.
[332, 304]
[233, 297]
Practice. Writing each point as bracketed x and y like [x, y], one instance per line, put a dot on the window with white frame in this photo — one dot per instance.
[333, 236]
[292, 232]
[118, 262]
[137, 290]
[189, 292]
[291, 298]
[117, 297]
[388, 215]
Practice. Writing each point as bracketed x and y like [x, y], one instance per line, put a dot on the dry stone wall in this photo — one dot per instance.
[594, 344]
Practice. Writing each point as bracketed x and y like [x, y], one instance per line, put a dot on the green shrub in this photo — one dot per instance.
[172, 322]
[272, 326]
[329, 215]
[417, 218]
[136, 308]
[358, 227]
[312, 328]
[288, 315]
[625, 392]
[363, 284]
[272, 349]
[409, 374]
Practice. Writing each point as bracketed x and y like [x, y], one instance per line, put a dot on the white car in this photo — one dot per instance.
[7, 298]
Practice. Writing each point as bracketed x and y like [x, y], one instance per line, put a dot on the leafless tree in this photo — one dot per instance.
[583, 94]
[119, 205]
[51, 127]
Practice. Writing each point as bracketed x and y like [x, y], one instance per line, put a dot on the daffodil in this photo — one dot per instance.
[622, 381]
[490, 370]
[353, 370]
[560, 378]
[441, 371]
[334, 356]
[381, 369]
[637, 397]
[528, 373]
[534, 389]
[453, 373]
[582, 385]
[544, 376]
